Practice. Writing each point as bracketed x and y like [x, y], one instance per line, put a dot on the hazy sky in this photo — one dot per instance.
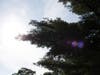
[14, 18]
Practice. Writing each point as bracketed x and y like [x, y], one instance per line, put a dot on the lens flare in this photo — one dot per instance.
[74, 44]
[80, 44]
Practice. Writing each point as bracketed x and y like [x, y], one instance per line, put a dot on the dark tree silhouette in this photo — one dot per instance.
[74, 48]
[25, 71]
[84, 6]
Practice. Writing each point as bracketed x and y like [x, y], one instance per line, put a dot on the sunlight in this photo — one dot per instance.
[12, 47]
[12, 26]
[14, 52]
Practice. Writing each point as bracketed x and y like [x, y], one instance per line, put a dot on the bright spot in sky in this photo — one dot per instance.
[22, 54]
[11, 28]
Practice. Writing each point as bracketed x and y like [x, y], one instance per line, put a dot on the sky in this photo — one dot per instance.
[14, 18]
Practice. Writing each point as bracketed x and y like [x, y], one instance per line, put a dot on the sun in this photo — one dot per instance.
[12, 26]
[17, 53]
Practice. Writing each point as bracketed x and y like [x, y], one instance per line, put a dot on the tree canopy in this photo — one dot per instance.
[25, 71]
[84, 6]
[74, 48]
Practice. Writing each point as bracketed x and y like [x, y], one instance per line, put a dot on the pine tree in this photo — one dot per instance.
[74, 48]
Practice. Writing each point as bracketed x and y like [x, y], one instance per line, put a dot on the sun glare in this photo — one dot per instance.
[17, 53]
[12, 26]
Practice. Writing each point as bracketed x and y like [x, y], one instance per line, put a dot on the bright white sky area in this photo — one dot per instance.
[14, 18]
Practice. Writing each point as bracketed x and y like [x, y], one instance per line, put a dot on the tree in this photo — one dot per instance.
[74, 48]
[84, 6]
[25, 71]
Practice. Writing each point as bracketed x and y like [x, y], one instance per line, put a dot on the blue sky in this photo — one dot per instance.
[14, 18]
